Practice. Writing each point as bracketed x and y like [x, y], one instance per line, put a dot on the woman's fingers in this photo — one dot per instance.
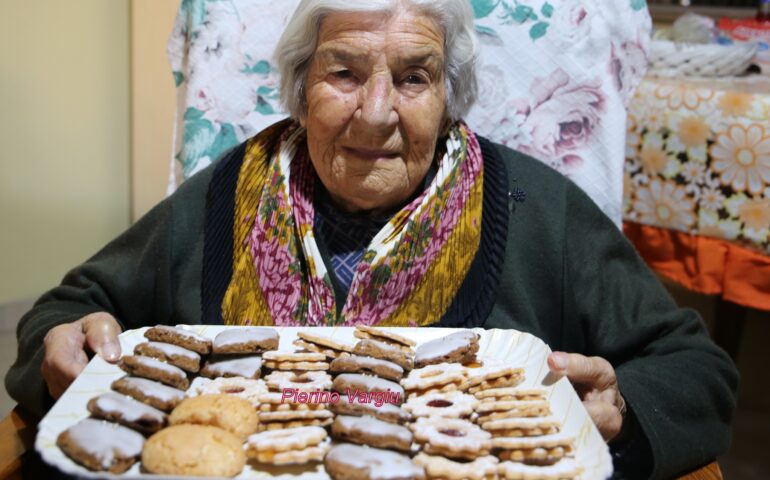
[65, 348]
[595, 372]
[101, 331]
[606, 416]
[64, 357]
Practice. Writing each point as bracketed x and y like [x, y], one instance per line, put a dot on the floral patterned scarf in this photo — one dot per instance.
[408, 275]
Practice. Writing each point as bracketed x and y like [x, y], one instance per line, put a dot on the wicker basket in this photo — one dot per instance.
[671, 59]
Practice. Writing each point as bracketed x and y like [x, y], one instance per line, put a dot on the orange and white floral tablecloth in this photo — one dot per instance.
[697, 184]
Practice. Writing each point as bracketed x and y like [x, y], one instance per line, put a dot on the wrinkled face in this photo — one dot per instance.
[376, 102]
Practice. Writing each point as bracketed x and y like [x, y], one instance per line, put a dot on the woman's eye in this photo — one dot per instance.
[414, 79]
[344, 74]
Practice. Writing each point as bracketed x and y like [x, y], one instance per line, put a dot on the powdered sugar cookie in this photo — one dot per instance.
[127, 411]
[543, 450]
[321, 344]
[522, 426]
[149, 392]
[458, 347]
[245, 340]
[451, 437]
[564, 469]
[298, 400]
[385, 351]
[515, 408]
[172, 354]
[491, 373]
[309, 422]
[295, 366]
[281, 416]
[354, 462]
[442, 404]
[366, 365]
[449, 387]
[181, 337]
[246, 367]
[482, 468]
[288, 446]
[511, 380]
[386, 336]
[433, 376]
[511, 393]
[371, 431]
[101, 446]
[245, 388]
[278, 356]
[305, 381]
[154, 369]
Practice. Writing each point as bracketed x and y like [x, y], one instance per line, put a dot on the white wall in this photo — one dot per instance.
[152, 102]
[64, 137]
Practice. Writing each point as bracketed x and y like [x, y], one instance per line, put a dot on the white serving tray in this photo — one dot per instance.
[514, 347]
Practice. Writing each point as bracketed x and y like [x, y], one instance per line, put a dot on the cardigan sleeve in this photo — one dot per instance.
[678, 383]
[139, 278]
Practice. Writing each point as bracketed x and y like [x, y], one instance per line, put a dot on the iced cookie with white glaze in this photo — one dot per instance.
[171, 354]
[149, 392]
[246, 367]
[245, 340]
[154, 369]
[127, 411]
[458, 347]
[354, 462]
[180, 337]
[101, 446]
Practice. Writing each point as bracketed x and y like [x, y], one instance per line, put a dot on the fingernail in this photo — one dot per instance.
[559, 360]
[109, 351]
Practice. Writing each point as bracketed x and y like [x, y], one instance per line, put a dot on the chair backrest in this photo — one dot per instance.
[555, 76]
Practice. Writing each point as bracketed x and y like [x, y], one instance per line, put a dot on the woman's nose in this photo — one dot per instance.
[377, 105]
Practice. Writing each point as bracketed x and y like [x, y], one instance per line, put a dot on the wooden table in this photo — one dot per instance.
[17, 439]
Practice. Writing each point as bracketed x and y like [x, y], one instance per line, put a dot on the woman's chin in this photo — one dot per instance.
[370, 199]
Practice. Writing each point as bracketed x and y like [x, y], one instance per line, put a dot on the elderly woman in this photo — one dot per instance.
[375, 204]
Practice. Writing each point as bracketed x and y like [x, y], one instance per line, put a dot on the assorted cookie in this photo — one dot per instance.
[312, 342]
[383, 407]
[227, 412]
[194, 450]
[289, 446]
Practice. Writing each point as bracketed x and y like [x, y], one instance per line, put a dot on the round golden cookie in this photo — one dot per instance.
[233, 414]
[194, 450]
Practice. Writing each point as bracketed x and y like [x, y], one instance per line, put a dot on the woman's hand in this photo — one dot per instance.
[596, 384]
[65, 348]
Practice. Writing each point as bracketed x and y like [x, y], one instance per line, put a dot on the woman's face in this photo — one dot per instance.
[376, 103]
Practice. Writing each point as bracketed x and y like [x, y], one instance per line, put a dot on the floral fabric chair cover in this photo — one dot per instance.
[555, 77]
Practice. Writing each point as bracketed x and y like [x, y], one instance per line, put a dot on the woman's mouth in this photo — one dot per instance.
[371, 153]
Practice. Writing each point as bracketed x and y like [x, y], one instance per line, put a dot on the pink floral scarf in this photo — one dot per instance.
[408, 275]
